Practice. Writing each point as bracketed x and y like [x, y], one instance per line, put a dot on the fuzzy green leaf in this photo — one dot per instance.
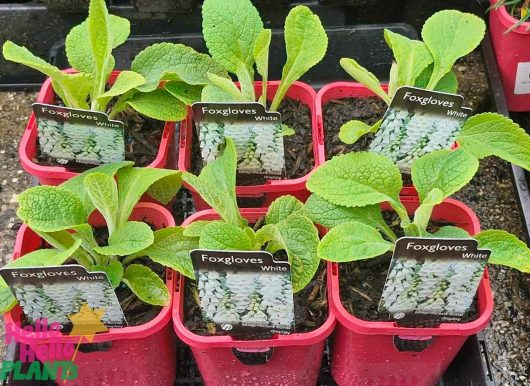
[283, 207]
[195, 228]
[287, 131]
[365, 77]
[217, 185]
[246, 83]
[211, 93]
[103, 192]
[126, 81]
[447, 170]
[230, 29]
[44, 257]
[222, 236]
[187, 94]
[226, 86]
[50, 208]
[114, 271]
[131, 237]
[169, 61]
[146, 284]
[100, 38]
[261, 57]
[448, 84]
[306, 44]
[451, 232]
[7, 300]
[449, 35]
[171, 248]
[351, 131]
[506, 249]
[158, 104]
[494, 134]
[424, 211]
[357, 179]
[352, 241]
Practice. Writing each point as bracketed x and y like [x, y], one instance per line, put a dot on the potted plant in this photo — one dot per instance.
[95, 220]
[133, 96]
[238, 47]
[510, 35]
[347, 193]
[283, 230]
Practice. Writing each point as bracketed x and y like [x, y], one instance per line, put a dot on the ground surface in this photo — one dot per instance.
[491, 195]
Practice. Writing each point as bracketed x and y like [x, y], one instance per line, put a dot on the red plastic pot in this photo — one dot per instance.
[54, 175]
[272, 189]
[513, 56]
[296, 358]
[137, 355]
[363, 352]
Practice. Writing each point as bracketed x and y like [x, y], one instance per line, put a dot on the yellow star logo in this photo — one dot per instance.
[87, 322]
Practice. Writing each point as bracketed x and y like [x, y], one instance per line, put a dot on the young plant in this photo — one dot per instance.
[235, 38]
[89, 48]
[59, 215]
[285, 227]
[519, 9]
[348, 190]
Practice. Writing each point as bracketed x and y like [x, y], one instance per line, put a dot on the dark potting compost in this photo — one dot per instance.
[298, 148]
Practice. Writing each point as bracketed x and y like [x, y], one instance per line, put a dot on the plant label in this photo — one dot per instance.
[418, 122]
[73, 136]
[432, 280]
[68, 295]
[522, 79]
[256, 133]
[244, 294]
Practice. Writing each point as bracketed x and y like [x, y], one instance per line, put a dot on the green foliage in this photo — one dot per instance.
[59, 214]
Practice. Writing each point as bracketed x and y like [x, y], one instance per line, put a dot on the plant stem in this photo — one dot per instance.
[383, 227]
[129, 259]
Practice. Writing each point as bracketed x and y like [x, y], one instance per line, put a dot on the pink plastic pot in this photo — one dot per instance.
[272, 189]
[513, 56]
[296, 358]
[137, 355]
[363, 352]
[54, 175]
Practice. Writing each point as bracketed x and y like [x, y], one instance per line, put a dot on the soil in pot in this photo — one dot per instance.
[362, 282]
[298, 148]
[142, 141]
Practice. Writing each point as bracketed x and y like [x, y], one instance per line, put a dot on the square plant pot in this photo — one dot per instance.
[122, 356]
[272, 189]
[513, 57]
[296, 358]
[54, 175]
[363, 352]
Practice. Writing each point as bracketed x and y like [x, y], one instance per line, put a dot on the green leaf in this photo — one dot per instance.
[171, 248]
[412, 57]
[73, 89]
[424, 211]
[447, 170]
[351, 131]
[449, 35]
[161, 184]
[246, 83]
[50, 208]
[126, 81]
[261, 57]
[230, 29]
[187, 94]
[448, 84]
[227, 87]
[169, 61]
[211, 93]
[217, 185]
[44, 257]
[357, 179]
[76, 184]
[7, 300]
[222, 236]
[365, 77]
[287, 131]
[451, 232]
[195, 228]
[493, 134]
[283, 207]
[506, 249]
[131, 237]
[146, 284]
[114, 271]
[299, 238]
[77, 45]
[158, 104]
[103, 192]
[352, 241]
[306, 43]
[85, 233]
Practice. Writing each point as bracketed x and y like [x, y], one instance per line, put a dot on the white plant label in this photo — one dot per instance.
[522, 79]
[257, 135]
[62, 294]
[432, 280]
[418, 122]
[79, 136]
[246, 294]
